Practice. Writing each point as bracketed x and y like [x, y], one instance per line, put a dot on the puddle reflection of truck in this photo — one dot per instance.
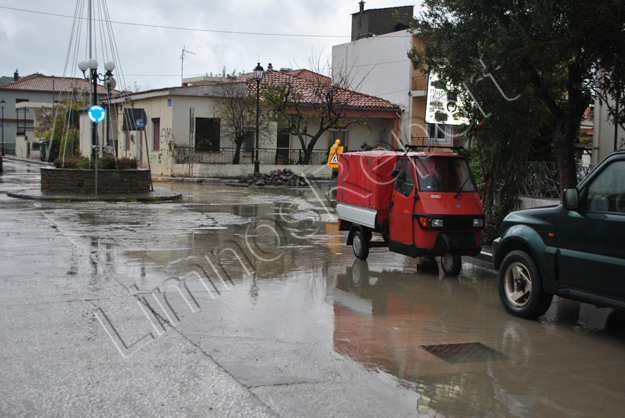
[382, 318]
[422, 204]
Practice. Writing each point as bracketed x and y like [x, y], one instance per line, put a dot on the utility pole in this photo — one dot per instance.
[191, 131]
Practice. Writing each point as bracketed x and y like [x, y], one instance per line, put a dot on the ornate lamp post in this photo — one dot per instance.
[92, 66]
[2, 104]
[258, 76]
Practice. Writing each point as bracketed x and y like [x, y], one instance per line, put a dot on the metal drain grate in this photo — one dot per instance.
[464, 353]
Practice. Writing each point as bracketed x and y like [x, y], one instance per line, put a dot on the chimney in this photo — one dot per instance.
[16, 76]
[362, 9]
[269, 68]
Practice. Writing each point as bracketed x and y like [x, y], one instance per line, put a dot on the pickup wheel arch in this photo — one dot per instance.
[519, 237]
[509, 246]
[366, 232]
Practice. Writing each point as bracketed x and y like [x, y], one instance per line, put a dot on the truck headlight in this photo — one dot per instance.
[437, 223]
[478, 223]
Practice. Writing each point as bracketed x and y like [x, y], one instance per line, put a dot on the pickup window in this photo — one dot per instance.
[607, 192]
[405, 186]
[444, 174]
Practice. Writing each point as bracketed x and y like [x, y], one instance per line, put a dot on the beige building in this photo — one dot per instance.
[181, 131]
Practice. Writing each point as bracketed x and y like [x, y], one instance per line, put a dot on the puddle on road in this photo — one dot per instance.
[288, 279]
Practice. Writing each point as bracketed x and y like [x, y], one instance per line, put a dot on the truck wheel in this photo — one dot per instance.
[428, 264]
[360, 246]
[451, 263]
[520, 288]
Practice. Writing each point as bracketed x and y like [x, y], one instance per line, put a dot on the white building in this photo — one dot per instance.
[376, 62]
[26, 98]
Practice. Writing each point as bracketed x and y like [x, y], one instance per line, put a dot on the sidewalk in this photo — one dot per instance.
[26, 160]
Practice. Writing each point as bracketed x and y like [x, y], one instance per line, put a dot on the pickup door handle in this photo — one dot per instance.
[391, 207]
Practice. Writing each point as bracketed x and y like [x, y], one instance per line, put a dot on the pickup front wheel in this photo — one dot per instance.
[520, 289]
[451, 263]
[360, 245]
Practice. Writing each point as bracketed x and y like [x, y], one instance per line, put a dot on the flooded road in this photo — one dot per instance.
[246, 302]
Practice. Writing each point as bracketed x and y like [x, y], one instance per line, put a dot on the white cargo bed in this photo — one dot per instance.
[356, 214]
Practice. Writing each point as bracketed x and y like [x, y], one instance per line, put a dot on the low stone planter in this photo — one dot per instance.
[120, 182]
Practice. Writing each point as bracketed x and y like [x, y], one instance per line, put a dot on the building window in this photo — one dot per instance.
[20, 100]
[439, 134]
[207, 134]
[156, 134]
[283, 144]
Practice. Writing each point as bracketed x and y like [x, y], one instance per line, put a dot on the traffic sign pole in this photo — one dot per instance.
[96, 114]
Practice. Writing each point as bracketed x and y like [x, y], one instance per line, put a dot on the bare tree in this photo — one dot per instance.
[239, 115]
[311, 98]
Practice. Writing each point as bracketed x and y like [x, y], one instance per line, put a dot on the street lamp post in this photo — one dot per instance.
[92, 66]
[2, 104]
[258, 76]
[107, 77]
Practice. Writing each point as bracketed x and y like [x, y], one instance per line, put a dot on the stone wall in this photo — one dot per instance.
[231, 171]
[122, 182]
[528, 202]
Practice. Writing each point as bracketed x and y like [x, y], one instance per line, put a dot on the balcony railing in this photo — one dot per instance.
[543, 180]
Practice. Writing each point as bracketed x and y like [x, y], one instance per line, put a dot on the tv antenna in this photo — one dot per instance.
[182, 57]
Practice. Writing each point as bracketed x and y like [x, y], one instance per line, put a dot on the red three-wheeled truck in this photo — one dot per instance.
[422, 204]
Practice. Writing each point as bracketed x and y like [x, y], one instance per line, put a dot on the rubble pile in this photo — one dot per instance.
[284, 177]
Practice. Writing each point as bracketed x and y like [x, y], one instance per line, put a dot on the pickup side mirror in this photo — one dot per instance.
[398, 174]
[571, 199]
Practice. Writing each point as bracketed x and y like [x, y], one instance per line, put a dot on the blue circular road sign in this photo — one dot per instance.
[96, 114]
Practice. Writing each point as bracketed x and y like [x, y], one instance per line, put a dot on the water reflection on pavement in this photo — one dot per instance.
[286, 310]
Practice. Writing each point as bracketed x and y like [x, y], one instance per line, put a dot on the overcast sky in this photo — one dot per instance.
[150, 56]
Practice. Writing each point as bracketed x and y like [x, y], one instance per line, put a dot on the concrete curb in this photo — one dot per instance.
[483, 259]
[155, 196]
[485, 256]
[164, 179]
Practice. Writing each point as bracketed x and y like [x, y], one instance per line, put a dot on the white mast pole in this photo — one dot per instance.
[89, 12]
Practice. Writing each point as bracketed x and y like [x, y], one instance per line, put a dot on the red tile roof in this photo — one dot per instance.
[310, 75]
[43, 83]
[310, 86]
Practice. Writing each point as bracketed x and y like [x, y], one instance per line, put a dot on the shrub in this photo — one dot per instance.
[125, 163]
[72, 163]
[105, 163]
[83, 164]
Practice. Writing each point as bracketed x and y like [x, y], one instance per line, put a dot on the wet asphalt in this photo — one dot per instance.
[246, 302]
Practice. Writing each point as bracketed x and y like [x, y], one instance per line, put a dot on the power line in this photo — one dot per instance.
[185, 29]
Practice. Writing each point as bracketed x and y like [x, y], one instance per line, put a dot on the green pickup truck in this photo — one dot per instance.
[575, 250]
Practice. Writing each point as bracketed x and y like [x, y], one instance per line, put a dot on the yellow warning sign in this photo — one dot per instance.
[335, 152]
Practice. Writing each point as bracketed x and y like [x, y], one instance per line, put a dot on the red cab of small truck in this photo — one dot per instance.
[422, 204]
